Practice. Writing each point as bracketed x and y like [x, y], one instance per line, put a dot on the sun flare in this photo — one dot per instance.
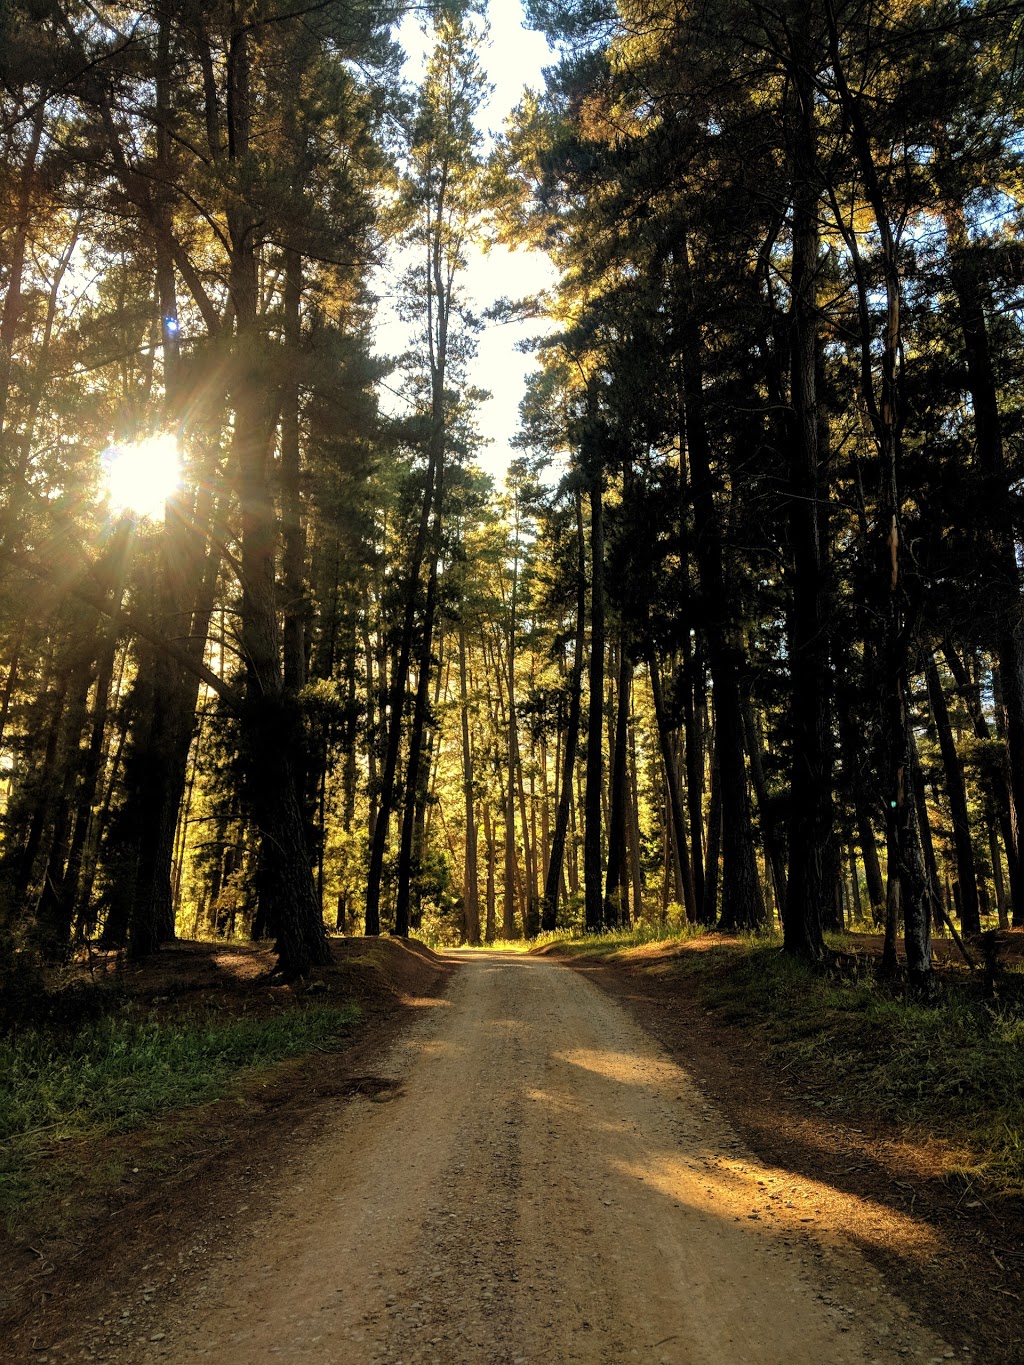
[141, 475]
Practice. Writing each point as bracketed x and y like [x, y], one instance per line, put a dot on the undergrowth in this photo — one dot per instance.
[953, 1066]
[610, 941]
[119, 1072]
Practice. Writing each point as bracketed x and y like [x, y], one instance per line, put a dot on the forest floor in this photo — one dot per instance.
[522, 1174]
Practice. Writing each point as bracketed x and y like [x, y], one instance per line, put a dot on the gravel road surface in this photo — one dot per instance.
[532, 1180]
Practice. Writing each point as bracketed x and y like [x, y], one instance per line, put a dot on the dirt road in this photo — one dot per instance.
[537, 1183]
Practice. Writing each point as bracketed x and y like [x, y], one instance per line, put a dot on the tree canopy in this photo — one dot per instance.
[739, 641]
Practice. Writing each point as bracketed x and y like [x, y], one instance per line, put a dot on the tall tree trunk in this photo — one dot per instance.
[617, 881]
[684, 867]
[709, 911]
[903, 836]
[68, 894]
[858, 910]
[54, 816]
[508, 920]
[15, 254]
[543, 847]
[271, 727]
[157, 761]
[79, 770]
[636, 872]
[890, 958]
[810, 802]
[773, 844]
[396, 696]
[997, 876]
[1003, 575]
[872, 867]
[12, 676]
[490, 924]
[416, 738]
[530, 906]
[742, 901]
[293, 553]
[694, 726]
[999, 783]
[470, 886]
[970, 913]
[931, 866]
[854, 764]
[592, 860]
[572, 734]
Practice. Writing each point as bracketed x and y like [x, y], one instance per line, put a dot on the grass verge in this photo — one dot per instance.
[953, 1067]
[118, 1073]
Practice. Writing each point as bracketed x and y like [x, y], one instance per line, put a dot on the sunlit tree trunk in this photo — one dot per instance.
[470, 888]
[633, 827]
[694, 681]
[592, 822]
[572, 733]
[490, 895]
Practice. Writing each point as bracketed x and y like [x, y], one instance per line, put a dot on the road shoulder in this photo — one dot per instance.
[954, 1261]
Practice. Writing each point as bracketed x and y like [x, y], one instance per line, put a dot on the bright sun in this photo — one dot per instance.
[142, 475]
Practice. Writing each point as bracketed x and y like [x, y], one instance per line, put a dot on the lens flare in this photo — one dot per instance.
[142, 475]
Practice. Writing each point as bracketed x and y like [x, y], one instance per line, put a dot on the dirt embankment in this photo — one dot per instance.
[144, 1193]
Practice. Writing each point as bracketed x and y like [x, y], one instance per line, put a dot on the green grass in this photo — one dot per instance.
[611, 941]
[119, 1072]
[953, 1067]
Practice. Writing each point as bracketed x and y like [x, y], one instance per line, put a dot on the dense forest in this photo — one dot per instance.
[739, 642]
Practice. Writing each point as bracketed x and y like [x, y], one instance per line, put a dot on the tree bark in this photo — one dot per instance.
[970, 913]
[565, 790]
[810, 808]
[774, 850]
[490, 896]
[742, 902]
[694, 726]
[684, 867]
[470, 886]
[272, 732]
[999, 789]
[711, 868]
[416, 740]
[593, 905]
[616, 903]
[884, 409]
[1003, 575]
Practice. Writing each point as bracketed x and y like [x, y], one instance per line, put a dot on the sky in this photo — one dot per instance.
[516, 58]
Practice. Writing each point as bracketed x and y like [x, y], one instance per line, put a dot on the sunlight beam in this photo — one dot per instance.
[141, 475]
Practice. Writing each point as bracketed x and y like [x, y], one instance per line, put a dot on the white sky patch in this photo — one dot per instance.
[516, 58]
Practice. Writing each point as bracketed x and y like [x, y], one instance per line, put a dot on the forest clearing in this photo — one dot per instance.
[503, 1162]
